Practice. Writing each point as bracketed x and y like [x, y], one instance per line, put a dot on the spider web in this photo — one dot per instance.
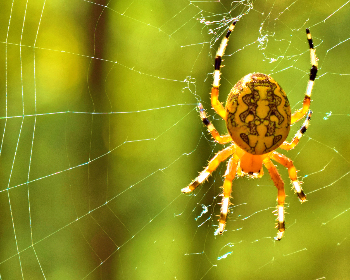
[101, 131]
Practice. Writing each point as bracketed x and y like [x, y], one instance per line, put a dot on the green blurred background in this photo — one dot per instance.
[100, 133]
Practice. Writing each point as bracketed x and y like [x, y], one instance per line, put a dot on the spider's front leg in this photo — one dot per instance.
[277, 180]
[230, 174]
[213, 164]
[217, 159]
[292, 171]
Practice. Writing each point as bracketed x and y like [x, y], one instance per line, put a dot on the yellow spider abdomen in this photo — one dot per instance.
[258, 114]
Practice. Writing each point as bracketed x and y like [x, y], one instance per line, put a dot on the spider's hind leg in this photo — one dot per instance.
[288, 146]
[222, 139]
[296, 116]
[215, 103]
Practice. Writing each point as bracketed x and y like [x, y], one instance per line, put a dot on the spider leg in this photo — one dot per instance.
[215, 103]
[288, 146]
[296, 116]
[227, 188]
[220, 139]
[277, 180]
[292, 171]
[212, 165]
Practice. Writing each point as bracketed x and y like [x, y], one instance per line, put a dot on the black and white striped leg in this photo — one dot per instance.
[222, 139]
[215, 103]
[220, 53]
[314, 64]
[313, 71]
[212, 165]
[288, 146]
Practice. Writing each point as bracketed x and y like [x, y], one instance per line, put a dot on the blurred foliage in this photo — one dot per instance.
[100, 133]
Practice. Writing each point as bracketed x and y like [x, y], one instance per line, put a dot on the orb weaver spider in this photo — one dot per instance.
[258, 119]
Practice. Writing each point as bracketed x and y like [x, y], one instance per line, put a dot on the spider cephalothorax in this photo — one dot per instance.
[258, 119]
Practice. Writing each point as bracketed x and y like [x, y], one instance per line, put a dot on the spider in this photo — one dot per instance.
[258, 119]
